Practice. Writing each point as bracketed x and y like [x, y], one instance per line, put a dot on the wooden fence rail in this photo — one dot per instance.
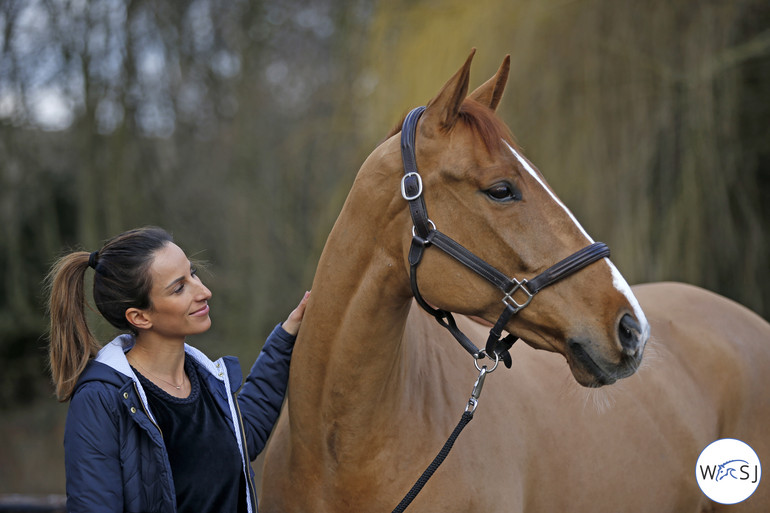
[17, 503]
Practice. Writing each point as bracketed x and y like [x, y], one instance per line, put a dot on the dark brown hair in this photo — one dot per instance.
[122, 280]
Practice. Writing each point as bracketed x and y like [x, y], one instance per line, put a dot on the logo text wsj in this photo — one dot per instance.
[733, 469]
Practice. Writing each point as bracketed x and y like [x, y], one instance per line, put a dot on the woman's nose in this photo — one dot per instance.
[203, 292]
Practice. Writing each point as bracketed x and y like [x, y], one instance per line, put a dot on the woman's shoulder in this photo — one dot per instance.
[99, 382]
[97, 395]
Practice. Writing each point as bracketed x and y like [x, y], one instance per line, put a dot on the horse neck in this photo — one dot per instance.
[348, 359]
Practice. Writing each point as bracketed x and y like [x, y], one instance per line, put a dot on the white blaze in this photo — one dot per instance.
[536, 176]
[618, 281]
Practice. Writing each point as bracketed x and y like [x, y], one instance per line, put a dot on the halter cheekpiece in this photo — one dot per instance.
[517, 294]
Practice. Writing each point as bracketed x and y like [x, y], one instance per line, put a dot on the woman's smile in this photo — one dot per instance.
[201, 311]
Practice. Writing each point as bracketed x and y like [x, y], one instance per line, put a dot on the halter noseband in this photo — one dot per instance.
[424, 234]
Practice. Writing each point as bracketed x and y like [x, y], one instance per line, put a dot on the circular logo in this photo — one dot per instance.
[728, 471]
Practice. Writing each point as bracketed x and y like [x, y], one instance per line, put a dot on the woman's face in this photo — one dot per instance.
[178, 297]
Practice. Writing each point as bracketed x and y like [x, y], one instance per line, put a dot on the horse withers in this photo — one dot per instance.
[377, 385]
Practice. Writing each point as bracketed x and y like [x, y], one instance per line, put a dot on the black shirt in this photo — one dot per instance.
[202, 448]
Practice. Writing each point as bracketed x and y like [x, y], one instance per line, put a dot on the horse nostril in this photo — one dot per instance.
[629, 333]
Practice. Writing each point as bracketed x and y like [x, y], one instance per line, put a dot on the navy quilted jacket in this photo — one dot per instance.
[115, 459]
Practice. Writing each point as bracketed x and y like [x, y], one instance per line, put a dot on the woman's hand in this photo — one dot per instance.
[292, 323]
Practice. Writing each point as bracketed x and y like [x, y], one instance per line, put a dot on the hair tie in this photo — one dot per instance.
[92, 260]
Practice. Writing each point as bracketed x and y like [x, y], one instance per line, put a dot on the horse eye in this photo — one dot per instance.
[503, 192]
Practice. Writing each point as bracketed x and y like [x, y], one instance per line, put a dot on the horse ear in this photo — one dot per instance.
[444, 107]
[490, 92]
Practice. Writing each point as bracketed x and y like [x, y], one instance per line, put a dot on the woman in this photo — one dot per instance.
[153, 424]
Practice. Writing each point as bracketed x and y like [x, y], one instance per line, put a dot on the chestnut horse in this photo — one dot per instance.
[377, 385]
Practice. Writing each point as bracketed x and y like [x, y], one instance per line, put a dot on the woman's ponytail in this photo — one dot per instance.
[122, 280]
[72, 343]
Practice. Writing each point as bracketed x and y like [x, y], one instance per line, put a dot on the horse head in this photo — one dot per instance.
[729, 468]
[480, 190]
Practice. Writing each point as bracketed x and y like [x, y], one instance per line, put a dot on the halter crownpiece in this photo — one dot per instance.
[517, 293]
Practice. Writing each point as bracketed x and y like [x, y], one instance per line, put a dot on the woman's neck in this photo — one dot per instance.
[160, 361]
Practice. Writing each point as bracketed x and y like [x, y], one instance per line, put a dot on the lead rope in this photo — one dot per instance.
[444, 452]
[424, 233]
[467, 417]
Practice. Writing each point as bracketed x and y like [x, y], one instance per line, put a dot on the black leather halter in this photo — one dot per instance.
[517, 293]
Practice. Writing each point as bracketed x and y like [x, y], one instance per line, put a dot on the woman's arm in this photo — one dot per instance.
[293, 322]
[262, 395]
[91, 452]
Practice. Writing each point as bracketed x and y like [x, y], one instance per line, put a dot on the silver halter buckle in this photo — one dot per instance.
[411, 197]
[509, 300]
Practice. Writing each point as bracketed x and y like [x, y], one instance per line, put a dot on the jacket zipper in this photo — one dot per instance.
[249, 480]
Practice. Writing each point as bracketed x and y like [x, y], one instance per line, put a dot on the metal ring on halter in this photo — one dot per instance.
[414, 233]
[497, 360]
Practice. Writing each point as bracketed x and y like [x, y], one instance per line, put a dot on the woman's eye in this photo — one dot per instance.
[503, 192]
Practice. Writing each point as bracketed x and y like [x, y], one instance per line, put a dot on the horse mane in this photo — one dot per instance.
[481, 120]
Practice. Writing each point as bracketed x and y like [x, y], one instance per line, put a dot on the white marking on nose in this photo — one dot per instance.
[618, 281]
[621, 284]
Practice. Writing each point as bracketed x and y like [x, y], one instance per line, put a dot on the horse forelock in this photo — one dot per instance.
[492, 131]
[486, 125]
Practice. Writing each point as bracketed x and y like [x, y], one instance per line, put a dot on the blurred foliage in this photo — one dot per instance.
[223, 121]
[239, 125]
[650, 119]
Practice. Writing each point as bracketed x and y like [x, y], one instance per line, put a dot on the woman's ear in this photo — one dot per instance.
[138, 318]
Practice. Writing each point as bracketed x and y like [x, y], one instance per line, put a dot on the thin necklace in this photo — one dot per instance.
[158, 377]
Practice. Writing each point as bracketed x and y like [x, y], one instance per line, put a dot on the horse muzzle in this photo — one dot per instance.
[592, 369]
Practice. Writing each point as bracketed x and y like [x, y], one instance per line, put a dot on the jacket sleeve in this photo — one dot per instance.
[262, 395]
[91, 451]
